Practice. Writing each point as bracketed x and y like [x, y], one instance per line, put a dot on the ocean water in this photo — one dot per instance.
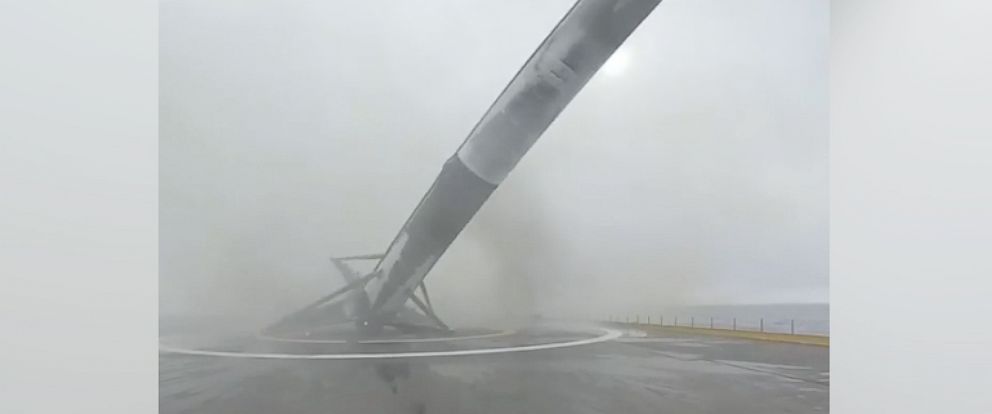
[799, 318]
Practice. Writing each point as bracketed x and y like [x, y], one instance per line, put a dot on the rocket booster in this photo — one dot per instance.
[564, 62]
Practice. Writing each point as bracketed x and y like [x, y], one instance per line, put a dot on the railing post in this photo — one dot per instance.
[661, 320]
[649, 319]
[762, 324]
[711, 322]
[676, 320]
[692, 321]
[735, 324]
[792, 326]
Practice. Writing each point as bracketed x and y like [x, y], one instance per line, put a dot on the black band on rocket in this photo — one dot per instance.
[451, 202]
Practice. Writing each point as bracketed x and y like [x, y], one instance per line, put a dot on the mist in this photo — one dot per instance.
[691, 170]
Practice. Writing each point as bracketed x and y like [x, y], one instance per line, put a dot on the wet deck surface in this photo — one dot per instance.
[661, 373]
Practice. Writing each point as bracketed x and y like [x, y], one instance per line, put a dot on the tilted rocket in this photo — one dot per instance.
[564, 62]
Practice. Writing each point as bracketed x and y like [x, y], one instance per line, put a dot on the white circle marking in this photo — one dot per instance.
[385, 341]
[608, 335]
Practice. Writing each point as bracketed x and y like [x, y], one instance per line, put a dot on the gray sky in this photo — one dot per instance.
[692, 169]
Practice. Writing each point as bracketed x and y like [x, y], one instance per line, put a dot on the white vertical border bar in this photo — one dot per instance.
[78, 206]
[911, 209]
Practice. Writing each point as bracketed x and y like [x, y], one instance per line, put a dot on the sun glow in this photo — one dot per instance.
[617, 64]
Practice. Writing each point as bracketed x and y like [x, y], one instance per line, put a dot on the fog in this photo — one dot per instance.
[691, 170]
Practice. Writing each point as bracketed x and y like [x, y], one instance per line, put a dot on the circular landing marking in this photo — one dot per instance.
[633, 333]
[608, 335]
[386, 341]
